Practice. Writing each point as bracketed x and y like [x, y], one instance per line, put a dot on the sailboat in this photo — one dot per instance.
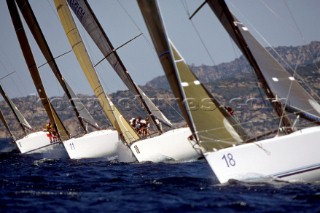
[76, 148]
[41, 141]
[290, 157]
[124, 132]
[171, 145]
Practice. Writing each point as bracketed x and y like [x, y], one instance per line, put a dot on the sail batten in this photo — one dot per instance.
[126, 132]
[95, 30]
[31, 64]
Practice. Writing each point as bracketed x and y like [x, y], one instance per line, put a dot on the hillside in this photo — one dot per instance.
[232, 83]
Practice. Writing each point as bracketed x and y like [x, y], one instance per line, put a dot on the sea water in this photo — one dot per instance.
[30, 183]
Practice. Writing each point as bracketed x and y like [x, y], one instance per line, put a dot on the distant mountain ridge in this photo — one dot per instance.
[232, 83]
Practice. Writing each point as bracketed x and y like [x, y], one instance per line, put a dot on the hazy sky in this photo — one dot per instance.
[273, 22]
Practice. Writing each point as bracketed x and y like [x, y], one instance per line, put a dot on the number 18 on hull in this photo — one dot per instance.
[293, 157]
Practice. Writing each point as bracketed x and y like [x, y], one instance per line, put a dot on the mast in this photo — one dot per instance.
[149, 10]
[36, 31]
[125, 130]
[95, 30]
[27, 53]
[6, 125]
[22, 121]
[223, 13]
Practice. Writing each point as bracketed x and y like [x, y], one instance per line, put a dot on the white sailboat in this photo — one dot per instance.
[170, 145]
[111, 139]
[42, 141]
[291, 157]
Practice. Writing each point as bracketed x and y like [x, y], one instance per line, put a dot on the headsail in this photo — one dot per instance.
[210, 123]
[79, 108]
[216, 128]
[27, 53]
[286, 89]
[6, 124]
[94, 29]
[18, 115]
[115, 117]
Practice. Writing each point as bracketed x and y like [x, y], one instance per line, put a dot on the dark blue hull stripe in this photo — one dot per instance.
[298, 171]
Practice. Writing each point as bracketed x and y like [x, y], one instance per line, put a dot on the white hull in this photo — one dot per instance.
[97, 144]
[293, 157]
[39, 143]
[170, 146]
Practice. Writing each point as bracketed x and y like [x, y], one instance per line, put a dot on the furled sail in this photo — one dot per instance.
[215, 126]
[27, 53]
[18, 115]
[79, 108]
[285, 87]
[6, 124]
[118, 121]
[86, 16]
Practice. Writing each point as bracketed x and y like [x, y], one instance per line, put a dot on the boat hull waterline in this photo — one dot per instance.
[293, 157]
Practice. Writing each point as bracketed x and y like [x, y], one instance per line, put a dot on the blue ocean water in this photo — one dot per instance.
[33, 184]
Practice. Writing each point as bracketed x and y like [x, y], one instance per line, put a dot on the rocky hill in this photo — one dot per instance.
[233, 83]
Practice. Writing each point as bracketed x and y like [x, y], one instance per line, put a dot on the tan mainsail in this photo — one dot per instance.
[117, 120]
[27, 53]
